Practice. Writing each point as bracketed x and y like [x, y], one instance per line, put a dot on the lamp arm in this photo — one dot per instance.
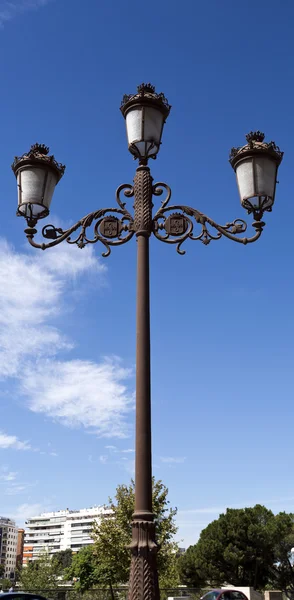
[108, 229]
[177, 224]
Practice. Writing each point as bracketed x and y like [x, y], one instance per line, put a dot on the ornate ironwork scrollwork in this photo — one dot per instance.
[107, 228]
[177, 224]
[171, 224]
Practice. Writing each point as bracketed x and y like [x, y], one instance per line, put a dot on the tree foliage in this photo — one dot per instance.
[40, 574]
[45, 572]
[84, 569]
[62, 560]
[282, 572]
[113, 534]
[109, 559]
[189, 570]
[5, 584]
[240, 548]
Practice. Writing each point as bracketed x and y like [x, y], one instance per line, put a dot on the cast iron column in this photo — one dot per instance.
[143, 576]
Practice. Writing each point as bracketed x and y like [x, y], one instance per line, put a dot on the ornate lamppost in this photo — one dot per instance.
[256, 165]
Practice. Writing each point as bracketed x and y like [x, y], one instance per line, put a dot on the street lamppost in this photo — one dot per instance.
[256, 165]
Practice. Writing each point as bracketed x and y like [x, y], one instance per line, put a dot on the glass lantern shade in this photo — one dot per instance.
[37, 174]
[144, 129]
[256, 178]
[35, 185]
[256, 166]
[145, 113]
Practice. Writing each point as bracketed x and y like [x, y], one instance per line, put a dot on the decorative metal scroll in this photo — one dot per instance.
[108, 229]
[171, 224]
[175, 224]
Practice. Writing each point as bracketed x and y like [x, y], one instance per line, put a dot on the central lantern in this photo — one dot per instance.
[145, 113]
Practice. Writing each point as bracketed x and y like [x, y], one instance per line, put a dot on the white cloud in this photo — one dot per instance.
[81, 394]
[103, 459]
[68, 260]
[173, 459]
[16, 489]
[129, 467]
[29, 296]
[32, 289]
[210, 510]
[24, 511]
[116, 450]
[114, 456]
[10, 9]
[8, 475]
[12, 442]
[77, 393]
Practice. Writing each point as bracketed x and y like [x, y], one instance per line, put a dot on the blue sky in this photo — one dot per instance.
[222, 315]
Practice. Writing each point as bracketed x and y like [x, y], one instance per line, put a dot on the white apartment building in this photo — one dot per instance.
[8, 546]
[54, 531]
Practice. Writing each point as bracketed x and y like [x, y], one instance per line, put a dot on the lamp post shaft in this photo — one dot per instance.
[143, 575]
[143, 469]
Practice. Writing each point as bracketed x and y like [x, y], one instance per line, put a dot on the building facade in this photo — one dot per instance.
[8, 547]
[19, 549]
[55, 531]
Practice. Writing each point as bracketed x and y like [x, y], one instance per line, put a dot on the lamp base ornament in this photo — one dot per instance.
[143, 583]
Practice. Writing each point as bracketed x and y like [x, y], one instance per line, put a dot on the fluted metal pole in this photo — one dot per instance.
[143, 575]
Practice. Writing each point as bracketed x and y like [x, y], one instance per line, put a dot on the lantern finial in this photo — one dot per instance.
[39, 149]
[255, 136]
[146, 87]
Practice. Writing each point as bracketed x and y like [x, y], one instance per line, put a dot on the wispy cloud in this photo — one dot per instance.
[9, 9]
[116, 450]
[10, 483]
[77, 393]
[17, 488]
[217, 510]
[116, 456]
[81, 394]
[129, 466]
[103, 459]
[7, 475]
[172, 460]
[12, 442]
[210, 510]
[24, 511]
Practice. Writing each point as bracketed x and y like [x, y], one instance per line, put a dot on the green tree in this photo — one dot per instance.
[109, 560]
[113, 535]
[39, 575]
[84, 568]
[189, 570]
[5, 584]
[282, 572]
[2, 571]
[239, 548]
[62, 560]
